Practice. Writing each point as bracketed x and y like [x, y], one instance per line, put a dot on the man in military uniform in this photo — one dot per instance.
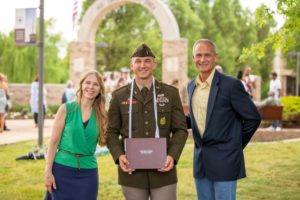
[155, 183]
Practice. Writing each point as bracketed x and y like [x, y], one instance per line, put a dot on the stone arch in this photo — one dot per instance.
[174, 52]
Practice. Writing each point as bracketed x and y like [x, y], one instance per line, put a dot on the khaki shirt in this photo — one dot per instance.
[200, 101]
[171, 122]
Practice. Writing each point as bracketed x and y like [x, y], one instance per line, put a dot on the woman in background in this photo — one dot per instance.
[3, 101]
[69, 92]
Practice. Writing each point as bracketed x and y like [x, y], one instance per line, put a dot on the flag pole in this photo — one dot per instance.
[74, 14]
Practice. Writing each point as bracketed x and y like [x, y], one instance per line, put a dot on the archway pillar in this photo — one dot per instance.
[175, 64]
[82, 58]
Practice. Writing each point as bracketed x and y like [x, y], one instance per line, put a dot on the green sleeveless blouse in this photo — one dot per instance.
[76, 139]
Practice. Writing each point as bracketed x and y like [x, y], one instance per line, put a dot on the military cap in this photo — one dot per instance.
[142, 51]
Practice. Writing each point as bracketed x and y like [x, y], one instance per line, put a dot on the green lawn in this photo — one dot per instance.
[273, 173]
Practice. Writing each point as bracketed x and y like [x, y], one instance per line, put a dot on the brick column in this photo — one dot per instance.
[82, 58]
[175, 64]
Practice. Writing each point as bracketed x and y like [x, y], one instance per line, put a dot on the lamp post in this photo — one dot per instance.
[41, 77]
[33, 155]
[297, 54]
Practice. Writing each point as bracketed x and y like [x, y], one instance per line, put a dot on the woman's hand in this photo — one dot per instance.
[49, 181]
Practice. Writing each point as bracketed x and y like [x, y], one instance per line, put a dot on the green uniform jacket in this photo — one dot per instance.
[171, 122]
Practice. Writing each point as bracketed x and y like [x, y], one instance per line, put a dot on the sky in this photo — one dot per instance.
[61, 11]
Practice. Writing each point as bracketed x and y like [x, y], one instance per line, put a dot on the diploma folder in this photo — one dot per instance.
[146, 153]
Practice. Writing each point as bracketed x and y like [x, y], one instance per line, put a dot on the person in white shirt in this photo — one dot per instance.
[34, 99]
[275, 85]
[275, 88]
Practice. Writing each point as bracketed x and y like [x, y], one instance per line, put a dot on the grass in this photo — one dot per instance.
[273, 173]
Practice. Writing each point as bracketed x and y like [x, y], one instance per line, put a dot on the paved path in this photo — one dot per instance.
[23, 130]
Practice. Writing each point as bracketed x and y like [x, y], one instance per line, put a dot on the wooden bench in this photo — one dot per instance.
[271, 112]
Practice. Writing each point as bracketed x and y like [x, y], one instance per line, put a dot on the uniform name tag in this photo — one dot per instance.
[127, 102]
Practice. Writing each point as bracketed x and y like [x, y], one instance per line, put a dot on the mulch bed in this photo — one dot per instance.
[262, 135]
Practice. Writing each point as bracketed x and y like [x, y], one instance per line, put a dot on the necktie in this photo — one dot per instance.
[144, 92]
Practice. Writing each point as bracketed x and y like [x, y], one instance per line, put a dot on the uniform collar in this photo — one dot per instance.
[158, 86]
[149, 85]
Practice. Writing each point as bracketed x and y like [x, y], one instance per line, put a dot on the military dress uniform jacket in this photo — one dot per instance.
[171, 122]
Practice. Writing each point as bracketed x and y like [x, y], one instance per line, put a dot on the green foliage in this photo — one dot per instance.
[20, 64]
[267, 173]
[232, 31]
[286, 38]
[291, 109]
[121, 31]
[190, 25]
[52, 109]
[225, 22]
[17, 110]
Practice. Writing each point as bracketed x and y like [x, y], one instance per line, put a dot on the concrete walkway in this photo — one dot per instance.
[23, 130]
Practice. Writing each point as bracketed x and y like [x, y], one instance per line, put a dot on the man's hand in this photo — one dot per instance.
[168, 165]
[123, 163]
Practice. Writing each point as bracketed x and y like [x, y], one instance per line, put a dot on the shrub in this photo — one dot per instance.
[291, 109]
[20, 112]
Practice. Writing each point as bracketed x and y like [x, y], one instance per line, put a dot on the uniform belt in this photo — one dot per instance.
[78, 156]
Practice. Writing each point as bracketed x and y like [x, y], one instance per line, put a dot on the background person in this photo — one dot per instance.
[125, 75]
[270, 100]
[275, 89]
[69, 92]
[142, 184]
[34, 100]
[241, 78]
[8, 102]
[3, 101]
[71, 166]
[250, 80]
[219, 68]
[223, 119]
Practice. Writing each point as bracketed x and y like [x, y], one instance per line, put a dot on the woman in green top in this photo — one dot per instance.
[71, 167]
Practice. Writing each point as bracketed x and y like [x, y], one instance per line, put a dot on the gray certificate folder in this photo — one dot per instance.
[146, 153]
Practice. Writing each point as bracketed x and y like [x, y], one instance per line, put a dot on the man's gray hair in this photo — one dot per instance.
[214, 46]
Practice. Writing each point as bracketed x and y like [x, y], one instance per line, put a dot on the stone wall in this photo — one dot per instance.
[20, 93]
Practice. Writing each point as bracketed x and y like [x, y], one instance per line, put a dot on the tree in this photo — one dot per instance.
[121, 31]
[223, 21]
[286, 38]
[20, 64]
[190, 26]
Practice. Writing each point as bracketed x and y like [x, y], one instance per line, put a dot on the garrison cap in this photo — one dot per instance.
[142, 51]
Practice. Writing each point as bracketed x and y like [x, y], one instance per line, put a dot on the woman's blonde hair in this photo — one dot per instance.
[98, 105]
